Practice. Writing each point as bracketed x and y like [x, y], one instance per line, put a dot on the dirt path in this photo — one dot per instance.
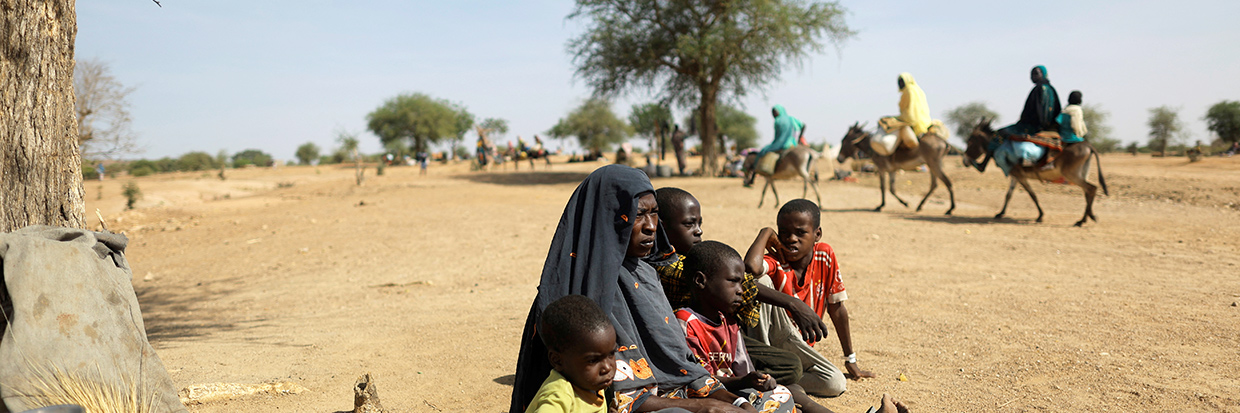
[297, 275]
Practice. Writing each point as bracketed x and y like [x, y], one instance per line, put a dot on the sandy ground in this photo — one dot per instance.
[298, 275]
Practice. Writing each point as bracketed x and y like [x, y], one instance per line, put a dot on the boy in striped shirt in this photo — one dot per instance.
[803, 269]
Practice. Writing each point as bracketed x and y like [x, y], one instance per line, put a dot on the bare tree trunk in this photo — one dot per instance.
[707, 131]
[40, 167]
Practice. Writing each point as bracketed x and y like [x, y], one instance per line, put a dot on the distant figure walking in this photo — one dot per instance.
[100, 170]
[678, 145]
[423, 159]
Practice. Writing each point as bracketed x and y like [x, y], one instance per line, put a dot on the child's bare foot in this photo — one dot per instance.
[891, 405]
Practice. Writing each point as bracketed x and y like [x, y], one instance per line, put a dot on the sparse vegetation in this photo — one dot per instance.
[132, 194]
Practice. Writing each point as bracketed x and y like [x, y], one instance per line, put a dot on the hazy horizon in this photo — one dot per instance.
[274, 75]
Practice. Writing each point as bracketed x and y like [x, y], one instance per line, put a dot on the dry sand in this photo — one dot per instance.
[296, 275]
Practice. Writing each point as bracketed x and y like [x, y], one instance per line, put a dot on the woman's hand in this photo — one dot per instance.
[758, 381]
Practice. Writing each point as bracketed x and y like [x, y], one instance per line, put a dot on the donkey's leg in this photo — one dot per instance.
[951, 194]
[934, 184]
[771, 182]
[1077, 177]
[814, 184]
[891, 178]
[763, 198]
[1024, 183]
[882, 190]
[1007, 198]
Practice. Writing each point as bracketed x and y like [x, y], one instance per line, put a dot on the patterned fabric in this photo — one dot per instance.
[718, 347]
[678, 287]
[628, 401]
[821, 285]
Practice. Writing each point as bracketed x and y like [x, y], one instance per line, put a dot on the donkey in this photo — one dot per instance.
[1072, 165]
[800, 161]
[930, 152]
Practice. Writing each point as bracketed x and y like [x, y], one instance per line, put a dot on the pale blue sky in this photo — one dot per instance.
[272, 75]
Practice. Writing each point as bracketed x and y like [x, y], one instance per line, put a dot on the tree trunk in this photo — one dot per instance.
[707, 131]
[40, 167]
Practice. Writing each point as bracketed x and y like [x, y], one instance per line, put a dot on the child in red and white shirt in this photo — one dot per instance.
[807, 272]
[714, 336]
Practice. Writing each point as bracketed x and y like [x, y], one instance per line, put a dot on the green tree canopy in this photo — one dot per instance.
[1099, 130]
[651, 120]
[1165, 127]
[966, 116]
[594, 125]
[1223, 118]
[196, 161]
[695, 52]
[736, 125]
[307, 153]
[494, 127]
[414, 117]
[251, 157]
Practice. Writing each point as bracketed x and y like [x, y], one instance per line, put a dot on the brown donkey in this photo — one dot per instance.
[800, 161]
[1072, 165]
[930, 152]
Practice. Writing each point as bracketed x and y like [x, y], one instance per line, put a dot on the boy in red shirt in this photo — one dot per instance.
[714, 335]
[805, 270]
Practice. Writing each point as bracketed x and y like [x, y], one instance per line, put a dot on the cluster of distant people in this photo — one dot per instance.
[636, 313]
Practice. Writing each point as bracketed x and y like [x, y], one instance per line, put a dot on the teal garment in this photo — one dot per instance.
[786, 128]
[1066, 133]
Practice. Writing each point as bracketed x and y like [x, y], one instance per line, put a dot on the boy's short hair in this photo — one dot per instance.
[1074, 98]
[709, 257]
[670, 198]
[803, 206]
[569, 318]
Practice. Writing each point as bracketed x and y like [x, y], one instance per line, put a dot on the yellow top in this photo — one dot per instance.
[913, 107]
[557, 395]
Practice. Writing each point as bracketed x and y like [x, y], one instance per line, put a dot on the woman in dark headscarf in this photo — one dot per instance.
[1041, 107]
[608, 226]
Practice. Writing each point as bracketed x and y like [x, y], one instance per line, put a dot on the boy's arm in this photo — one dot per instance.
[753, 258]
[839, 317]
[811, 325]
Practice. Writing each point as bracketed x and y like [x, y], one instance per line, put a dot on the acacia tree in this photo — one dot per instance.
[40, 166]
[307, 152]
[968, 115]
[697, 52]
[731, 123]
[102, 111]
[1099, 130]
[1165, 126]
[651, 120]
[464, 122]
[414, 117]
[348, 144]
[594, 125]
[1223, 118]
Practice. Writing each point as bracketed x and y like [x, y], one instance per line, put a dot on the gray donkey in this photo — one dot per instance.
[1072, 165]
[800, 161]
[930, 152]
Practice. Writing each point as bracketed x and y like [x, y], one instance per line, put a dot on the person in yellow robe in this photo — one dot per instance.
[914, 119]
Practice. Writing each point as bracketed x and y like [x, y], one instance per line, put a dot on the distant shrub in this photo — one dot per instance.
[132, 194]
[141, 171]
[196, 161]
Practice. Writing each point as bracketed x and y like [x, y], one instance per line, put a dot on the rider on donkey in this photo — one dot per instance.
[785, 127]
[1040, 114]
[914, 119]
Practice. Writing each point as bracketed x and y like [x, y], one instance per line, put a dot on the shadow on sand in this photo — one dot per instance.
[955, 219]
[525, 178]
[508, 380]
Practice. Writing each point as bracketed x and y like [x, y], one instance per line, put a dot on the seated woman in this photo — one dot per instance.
[608, 226]
[914, 119]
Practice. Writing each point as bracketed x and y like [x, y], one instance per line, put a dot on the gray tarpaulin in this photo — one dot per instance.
[71, 311]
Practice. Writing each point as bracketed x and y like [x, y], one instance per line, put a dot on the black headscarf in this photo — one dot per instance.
[587, 257]
[1042, 106]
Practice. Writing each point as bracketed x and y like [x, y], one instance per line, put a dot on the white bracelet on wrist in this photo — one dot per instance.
[740, 401]
[851, 358]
